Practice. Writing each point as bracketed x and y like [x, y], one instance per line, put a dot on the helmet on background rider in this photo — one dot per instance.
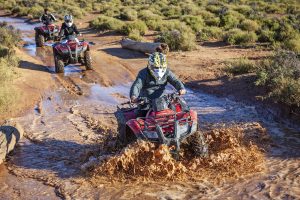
[68, 20]
[157, 65]
[46, 10]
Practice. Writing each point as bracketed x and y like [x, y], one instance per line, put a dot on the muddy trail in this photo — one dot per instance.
[68, 149]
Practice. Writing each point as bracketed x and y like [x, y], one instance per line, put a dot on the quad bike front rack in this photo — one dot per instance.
[177, 135]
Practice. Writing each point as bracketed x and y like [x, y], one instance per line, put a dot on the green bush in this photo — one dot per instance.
[183, 39]
[171, 11]
[266, 36]
[9, 37]
[136, 26]
[195, 22]
[104, 23]
[293, 45]
[210, 33]
[229, 21]
[240, 66]
[249, 25]
[237, 36]
[147, 15]
[135, 35]
[215, 21]
[281, 75]
[128, 14]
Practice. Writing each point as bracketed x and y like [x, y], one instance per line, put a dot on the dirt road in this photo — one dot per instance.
[69, 123]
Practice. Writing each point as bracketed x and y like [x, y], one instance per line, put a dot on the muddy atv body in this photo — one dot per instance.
[69, 51]
[46, 33]
[169, 121]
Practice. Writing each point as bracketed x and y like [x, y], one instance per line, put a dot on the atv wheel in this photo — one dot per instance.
[59, 65]
[88, 60]
[197, 144]
[40, 40]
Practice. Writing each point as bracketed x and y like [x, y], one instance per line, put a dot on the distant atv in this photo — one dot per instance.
[169, 121]
[45, 33]
[71, 51]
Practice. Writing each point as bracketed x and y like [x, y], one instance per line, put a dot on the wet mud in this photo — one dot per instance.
[69, 150]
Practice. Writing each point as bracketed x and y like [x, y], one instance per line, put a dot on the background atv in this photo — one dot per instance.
[169, 121]
[69, 51]
[45, 33]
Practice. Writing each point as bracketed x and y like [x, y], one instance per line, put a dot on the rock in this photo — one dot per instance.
[145, 47]
[9, 136]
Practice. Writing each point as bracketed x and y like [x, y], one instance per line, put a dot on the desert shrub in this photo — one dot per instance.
[128, 14]
[136, 26]
[293, 45]
[213, 9]
[215, 21]
[281, 75]
[181, 39]
[240, 66]
[195, 22]
[230, 20]
[244, 9]
[266, 36]
[36, 11]
[9, 37]
[169, 25]
[171, 11]
[147, 15]
[104, 23]
[285, 32]
[154, 24]
[237, 36]
[135, 35]
[209, 33]
[249, 25]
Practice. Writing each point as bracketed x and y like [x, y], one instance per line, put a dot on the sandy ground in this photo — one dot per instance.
[74, 114]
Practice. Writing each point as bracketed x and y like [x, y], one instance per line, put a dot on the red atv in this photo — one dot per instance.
[45, 33]
[71, 51]
[169, 121]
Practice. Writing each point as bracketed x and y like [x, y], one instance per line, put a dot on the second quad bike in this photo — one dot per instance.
[169, 121]
[45, 33]
[71, 51]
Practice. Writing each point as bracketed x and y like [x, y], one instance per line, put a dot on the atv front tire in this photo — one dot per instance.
[88, 60]
[59, 65]
[197, 144]
[40, 40]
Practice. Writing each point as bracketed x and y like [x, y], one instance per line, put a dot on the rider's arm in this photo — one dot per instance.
[75, 29]
[175, 82]
[62, 30]
[137, 85]
[41, 18]
[52, 17]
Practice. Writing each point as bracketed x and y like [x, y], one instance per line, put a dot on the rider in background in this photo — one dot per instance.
[68, 28]
[152, 80]
[47, 18]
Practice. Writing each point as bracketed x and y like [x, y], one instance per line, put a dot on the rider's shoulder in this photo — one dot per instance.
[143, 72]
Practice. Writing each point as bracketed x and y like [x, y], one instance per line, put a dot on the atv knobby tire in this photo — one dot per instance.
[197, 144]
[59, 65]
[88, 60]
[40, 40]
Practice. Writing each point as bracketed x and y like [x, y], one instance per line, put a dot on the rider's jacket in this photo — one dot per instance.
[66, 31]
[47, 18]
[146, 85]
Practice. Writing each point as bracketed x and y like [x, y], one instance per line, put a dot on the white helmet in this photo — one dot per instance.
[68, 20]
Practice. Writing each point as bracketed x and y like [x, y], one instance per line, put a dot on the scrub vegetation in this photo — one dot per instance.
[236, 22]
[9, 38]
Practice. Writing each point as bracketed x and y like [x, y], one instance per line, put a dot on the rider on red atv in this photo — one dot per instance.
[152, 80]
[47, 18]
[68, 27]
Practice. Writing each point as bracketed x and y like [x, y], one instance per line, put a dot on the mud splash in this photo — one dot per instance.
[234, 152]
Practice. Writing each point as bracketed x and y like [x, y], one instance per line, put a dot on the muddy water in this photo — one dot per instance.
[69, 125]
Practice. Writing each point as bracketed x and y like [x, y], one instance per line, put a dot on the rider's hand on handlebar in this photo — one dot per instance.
[133, 99]
[182, 92]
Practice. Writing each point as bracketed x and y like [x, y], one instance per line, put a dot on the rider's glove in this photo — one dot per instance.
[133, 99]
[182, 92]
